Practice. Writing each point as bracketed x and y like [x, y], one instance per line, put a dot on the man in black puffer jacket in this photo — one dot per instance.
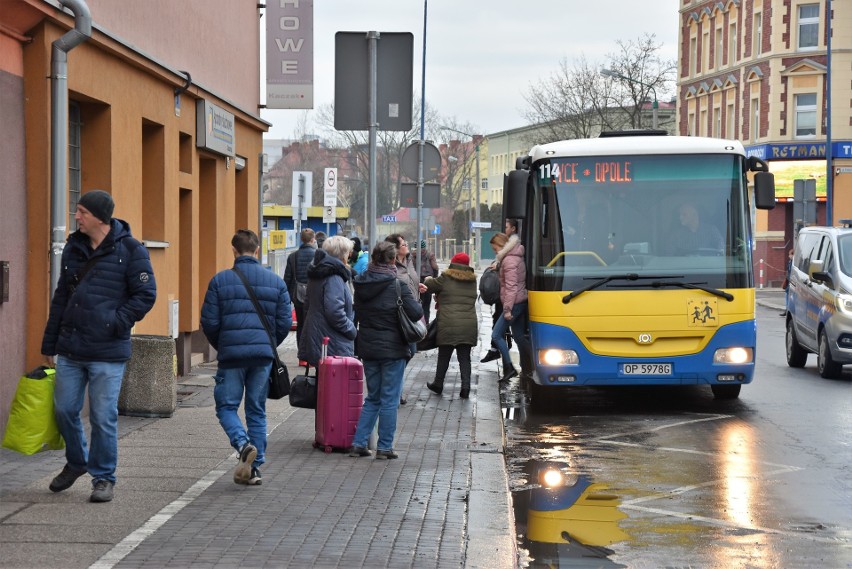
[296, 276]
[106, 285]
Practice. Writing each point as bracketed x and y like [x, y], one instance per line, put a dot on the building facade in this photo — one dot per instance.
[172, 131]
[758, 71]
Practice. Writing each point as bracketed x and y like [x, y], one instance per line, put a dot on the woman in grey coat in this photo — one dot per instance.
[328, 306]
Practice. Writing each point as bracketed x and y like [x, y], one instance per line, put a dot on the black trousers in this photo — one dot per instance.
[462, 354]
[300, 319]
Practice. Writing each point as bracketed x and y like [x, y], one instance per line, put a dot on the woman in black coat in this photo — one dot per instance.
[382, 347]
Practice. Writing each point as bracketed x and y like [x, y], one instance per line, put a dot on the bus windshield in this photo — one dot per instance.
[677, 217]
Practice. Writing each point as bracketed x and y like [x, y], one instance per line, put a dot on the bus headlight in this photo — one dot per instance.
[554, 357]
[733, 356]
[551, 478]
[844, 304]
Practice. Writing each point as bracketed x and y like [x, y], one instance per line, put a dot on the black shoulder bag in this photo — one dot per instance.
[279, 379]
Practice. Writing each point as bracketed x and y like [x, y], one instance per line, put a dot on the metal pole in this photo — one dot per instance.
[298, 224]
[829, 169]
[373, 48]
[478, 229]
[422, 144]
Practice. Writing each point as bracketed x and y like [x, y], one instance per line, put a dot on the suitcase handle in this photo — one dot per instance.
[325, 341]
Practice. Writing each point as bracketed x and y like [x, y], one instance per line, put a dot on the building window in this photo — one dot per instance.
[717, 122]
[693, 56]
[755, 119]
[806, 116]
[758, 34]
[730, 130]
[702, 126]
[719, 44]
[690, 124]
[732, 43]
[466, 184]
[75, 180]
[808, 26]
[483, 184]
[705, 52]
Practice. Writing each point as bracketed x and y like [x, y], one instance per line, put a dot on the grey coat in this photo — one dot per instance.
[328, 310]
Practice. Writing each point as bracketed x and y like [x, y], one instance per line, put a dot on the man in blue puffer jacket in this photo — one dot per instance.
[105, 286]
[234, 329]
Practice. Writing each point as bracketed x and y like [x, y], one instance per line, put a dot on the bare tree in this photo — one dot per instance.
[576, 101]
[644, 77]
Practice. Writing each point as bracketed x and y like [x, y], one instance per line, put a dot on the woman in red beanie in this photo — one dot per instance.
[455, 290]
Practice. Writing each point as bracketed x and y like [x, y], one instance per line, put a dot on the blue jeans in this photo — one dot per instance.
[231, 383]
[104, 383]
[519, 327]
[384, 386]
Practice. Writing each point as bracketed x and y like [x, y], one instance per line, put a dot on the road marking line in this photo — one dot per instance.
[123, 548]
[725, 523]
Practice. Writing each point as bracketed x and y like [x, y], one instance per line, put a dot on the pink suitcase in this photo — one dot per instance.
[340, 396]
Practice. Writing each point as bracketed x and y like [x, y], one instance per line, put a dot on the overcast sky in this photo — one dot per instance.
[481, 55]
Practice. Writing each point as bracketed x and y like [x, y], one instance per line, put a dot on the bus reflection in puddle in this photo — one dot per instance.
[569, 519]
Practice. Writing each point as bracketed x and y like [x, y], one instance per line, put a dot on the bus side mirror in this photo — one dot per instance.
[764, 190]
[515, 194]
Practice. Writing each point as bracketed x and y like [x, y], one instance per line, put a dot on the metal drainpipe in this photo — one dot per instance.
[59, 130]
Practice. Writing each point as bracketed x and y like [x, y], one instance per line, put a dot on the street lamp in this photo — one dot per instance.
[478, 255]
[655, 106]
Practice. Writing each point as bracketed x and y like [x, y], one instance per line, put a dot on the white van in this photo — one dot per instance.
[819, 299]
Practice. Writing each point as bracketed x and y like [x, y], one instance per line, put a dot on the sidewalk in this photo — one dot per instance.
[444, 503]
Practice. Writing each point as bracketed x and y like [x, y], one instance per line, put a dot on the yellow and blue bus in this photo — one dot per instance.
[639, 260]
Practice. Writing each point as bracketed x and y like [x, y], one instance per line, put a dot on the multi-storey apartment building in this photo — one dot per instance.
[162, 112]
[758, 71]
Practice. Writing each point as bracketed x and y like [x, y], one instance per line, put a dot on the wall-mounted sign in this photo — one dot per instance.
[214, 128]
[290, 55]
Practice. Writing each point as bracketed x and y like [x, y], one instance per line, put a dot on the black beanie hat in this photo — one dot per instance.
[99, 203]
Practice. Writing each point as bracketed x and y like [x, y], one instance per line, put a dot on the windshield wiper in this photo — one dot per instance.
[597, 284]
[720, 293]
[715, 291]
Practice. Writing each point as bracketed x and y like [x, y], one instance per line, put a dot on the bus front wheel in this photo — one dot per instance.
[726, 391]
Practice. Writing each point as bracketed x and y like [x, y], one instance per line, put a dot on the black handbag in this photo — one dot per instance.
[412, 330]
[279, 378]
[430, 342]
[303, 391]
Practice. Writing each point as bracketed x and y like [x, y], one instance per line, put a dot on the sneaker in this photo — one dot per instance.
[510, 373]
[242, 473]
[386, 455]
[255, 479]
[102, 491]
[490, 356]
[65, 479]
[359, 451]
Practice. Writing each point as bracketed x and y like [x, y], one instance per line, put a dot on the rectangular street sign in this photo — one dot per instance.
[330, 187]
[480, 225]
[388, 219]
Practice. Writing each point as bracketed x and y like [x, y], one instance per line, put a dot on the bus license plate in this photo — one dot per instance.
[646, 369]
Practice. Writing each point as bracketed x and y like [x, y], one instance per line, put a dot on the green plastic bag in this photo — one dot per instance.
[32, 425]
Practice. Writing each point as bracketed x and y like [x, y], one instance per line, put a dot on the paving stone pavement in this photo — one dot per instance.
[444, 503]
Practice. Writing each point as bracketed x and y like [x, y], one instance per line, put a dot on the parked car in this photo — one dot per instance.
[819, 299]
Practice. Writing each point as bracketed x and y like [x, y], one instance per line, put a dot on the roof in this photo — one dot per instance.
[637, 145]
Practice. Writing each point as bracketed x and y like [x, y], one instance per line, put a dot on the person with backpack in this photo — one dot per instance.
[513, 295]
[489, 292]
[296, 276]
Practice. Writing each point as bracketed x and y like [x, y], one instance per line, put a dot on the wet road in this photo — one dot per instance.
[663, 477]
